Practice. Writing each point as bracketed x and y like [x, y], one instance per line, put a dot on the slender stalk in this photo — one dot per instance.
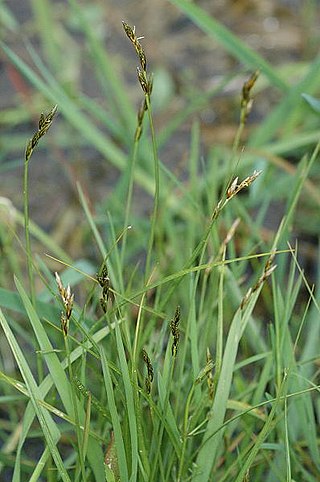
[68, 300]
[137, 336]
[129, 199]
[156, 202]
[43, 126]
[185, 432]
[246, 104]
[164, 415]
[219, 340]
[76, 413]
[145, 81]
[26, 229]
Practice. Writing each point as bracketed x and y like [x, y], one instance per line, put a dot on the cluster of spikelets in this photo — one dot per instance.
[144, 78]
[232, 189]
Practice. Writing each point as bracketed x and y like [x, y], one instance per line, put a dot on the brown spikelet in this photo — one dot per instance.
[131, 34]
[174, 325]
[210, 381]
[268, 270]
[145, 79]
[246, 100]
[149, 378]
[43, 126]
[140, 116]
[104, 281]
[67, 300]
[235, 188]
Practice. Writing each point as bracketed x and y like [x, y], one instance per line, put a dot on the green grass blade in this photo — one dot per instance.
[49, 429]
[312, 101]
[53, 363]
[195, 104]
[213, 434]
[92, 223]
[44, 389]
[262, 435]
[303, 172]
[58, 376]
[116, 424]
[169, 421]
[8, 19]
[36, 474]
[288, 109]
[44, 239]
[193, 331]
[130, 405]
[211, 441]
[52, 90]
[12, 301]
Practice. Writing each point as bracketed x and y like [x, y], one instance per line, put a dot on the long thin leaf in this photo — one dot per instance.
[49, 428]
[212, 438]
[44, 388]
[116, 425]
[59, 378]
[130, 405]
[262, 435]
[288, 109]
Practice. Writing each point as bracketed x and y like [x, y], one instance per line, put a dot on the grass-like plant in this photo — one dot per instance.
[193, 353]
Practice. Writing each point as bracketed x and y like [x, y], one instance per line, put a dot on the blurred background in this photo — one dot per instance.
[78, 49]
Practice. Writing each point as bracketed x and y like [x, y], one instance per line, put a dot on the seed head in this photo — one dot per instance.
[174, 324]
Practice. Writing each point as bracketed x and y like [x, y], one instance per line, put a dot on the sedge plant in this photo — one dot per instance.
[195, 360]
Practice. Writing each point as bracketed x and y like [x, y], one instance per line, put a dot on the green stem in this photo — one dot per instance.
[76, 413]
[154, 218]
[219, 340]
[185, 432]
[26, 229]
[162, 425]
[29, 254]
[129, 198]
